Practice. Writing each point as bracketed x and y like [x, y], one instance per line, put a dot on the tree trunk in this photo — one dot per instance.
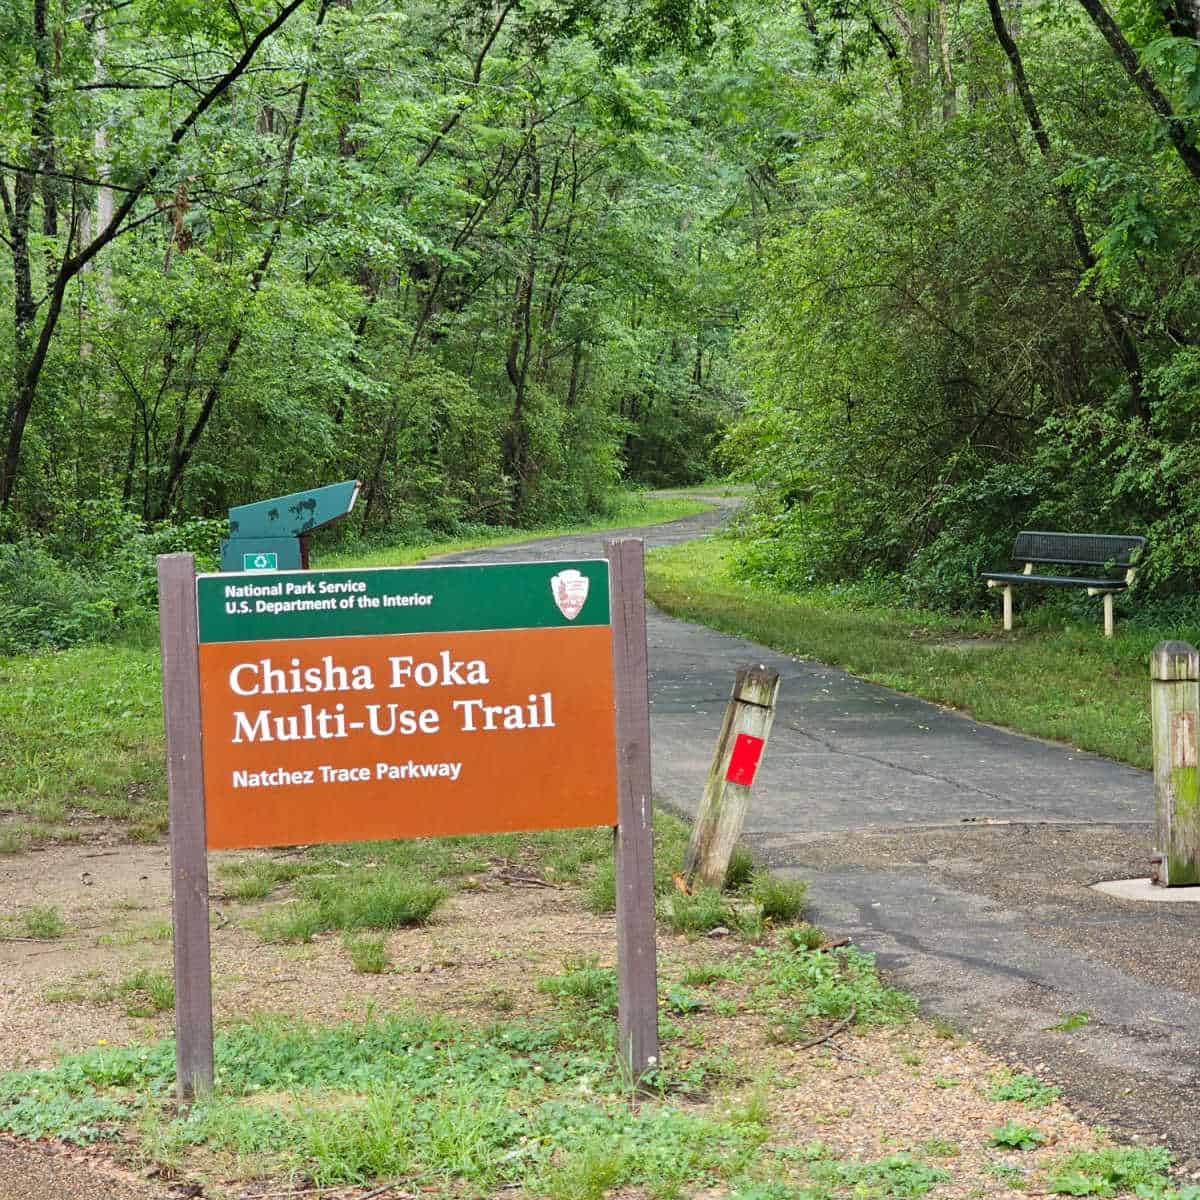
[1122, 339]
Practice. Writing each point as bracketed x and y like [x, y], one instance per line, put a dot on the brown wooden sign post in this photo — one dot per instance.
[325, 706]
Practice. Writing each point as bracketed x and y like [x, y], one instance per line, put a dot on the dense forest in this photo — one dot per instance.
[923, 272]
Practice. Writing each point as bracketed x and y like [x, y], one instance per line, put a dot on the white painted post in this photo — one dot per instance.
[1175, 718]
[1008, 608]
[748, 719]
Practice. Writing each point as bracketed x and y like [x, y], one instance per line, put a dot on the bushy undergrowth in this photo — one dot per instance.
[91, 578]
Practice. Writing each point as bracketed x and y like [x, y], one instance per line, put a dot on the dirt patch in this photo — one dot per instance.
[863, 1095]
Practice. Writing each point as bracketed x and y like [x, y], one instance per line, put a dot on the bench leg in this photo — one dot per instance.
[1008, 608]
[1108, 614]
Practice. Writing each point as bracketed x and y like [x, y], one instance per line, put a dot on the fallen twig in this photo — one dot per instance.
[834, 945]
[531, 880]
[840, 1027]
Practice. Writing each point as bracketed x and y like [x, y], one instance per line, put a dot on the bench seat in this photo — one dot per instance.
[1105, 551]
[1111, 585]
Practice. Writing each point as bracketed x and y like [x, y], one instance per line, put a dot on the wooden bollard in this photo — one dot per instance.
[744, 734]
[1175, 716]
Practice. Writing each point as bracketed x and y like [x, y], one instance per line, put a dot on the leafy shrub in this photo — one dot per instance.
[1013, 1135]
[92, 577]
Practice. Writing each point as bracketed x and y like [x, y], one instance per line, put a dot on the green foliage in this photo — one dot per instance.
[585, 985]
[897, 1175]
[383, 899]
[141, 994]
[1071, 1021]
[1012, 1135]
[1024, 1089]
[506, 1106]
[41, 922]
[1110, 1171]
[779, 899]
[830, 986]
[697, 912]
[368, 954]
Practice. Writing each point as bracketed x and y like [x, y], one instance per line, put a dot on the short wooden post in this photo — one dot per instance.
[1108, 614]
[1175, 717]
[633, 845]
[747, 725]
[189, 851]
[1008, 593]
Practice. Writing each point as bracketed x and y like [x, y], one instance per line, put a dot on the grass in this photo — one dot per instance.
[537, 1104]
[41, 923]
[1071, 1021]
[1052, 677]
[81, 729]
[368, 954]
[81, 732]
[485, 1108]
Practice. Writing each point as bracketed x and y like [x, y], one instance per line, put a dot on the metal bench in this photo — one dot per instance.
[1100, 550]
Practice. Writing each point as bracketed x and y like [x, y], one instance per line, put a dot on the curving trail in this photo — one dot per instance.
[959, 853]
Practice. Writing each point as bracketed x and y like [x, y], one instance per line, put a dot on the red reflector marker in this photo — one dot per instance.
[743, 762]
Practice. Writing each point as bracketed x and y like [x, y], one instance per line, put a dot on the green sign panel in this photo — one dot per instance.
[391, 600]
[260, 562]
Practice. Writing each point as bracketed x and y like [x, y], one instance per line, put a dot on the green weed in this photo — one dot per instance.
[379, 900]
[805, 937]
[368, 955]
[14, 840]
[780, 899]
[740, 870]
[702, 974]
[698, 912]
[1071, 1021]
[466, 1109]
[584, 984]
[1024, 1089]
[141, 994]
[941, 1147]
[897, 1175]
[1110, 1171]
[1012, 1135]
[588, 1175]
[683, 1000]
[42, 922]
[155, 931]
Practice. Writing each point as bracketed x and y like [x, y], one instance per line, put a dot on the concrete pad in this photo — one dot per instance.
[1143, 889]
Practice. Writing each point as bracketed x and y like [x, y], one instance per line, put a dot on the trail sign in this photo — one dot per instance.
[321, 706]
[405, 702]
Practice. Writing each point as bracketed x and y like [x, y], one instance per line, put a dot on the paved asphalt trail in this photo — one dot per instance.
[959, 853]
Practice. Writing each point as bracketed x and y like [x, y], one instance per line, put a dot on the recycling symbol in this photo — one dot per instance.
[261, 562]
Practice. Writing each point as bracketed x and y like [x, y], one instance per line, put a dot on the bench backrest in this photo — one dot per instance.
[1079, 549]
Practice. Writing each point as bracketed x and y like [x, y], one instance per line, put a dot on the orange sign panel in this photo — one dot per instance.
[342, 738]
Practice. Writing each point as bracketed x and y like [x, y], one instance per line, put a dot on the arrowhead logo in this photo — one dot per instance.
[570, 592]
